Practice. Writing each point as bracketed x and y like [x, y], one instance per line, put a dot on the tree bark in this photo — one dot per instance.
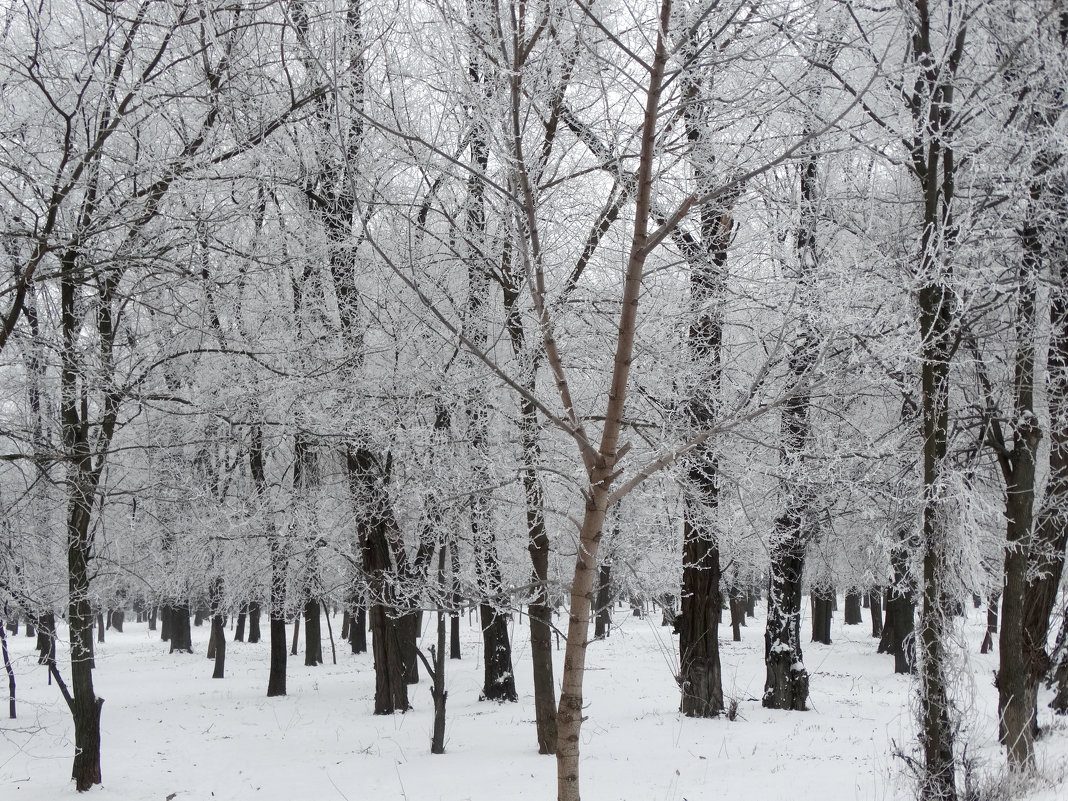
[254, 621]
[822, 609]
[10, 675]
[181, 633]
[218, 633]
[313, 635]
[603, 620]
[875, 606]
[853, 614]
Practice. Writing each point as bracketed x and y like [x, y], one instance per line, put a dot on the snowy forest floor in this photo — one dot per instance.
[170, 732]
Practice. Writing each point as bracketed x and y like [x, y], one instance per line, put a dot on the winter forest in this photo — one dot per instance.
[496, 352]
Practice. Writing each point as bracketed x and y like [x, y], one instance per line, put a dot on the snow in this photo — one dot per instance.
[168, 728]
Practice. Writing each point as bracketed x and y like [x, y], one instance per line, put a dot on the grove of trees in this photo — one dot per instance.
[411, 306]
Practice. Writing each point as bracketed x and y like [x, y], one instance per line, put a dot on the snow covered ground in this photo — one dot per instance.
[171, 732]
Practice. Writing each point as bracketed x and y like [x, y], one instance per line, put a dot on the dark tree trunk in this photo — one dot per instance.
[539, 614]
[376, 525]
[436, 668]
[822, 612]
[705, 251]
[1044, 240]
[218, 636]
[239, 634]
[330, 631]
[10, 675]
[853, 615]
[181, 633]
[276, 680]
[296, 635]
[668, 612]
[391, 686]
[499, 682]
[408, 631]
[454, 634]
[603, 607]
[1058, 676]
[167, 615]
[358, 630]
[899, 629]
[100, 626]
[152, 618]
[875, 605]
[992, 604]
[786, 686]
[698, 624]
[254, 621]
[46, 640]
[118, 618]
[345, 626]
[737, 609]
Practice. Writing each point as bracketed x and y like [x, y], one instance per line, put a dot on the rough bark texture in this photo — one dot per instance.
[603, 620]
[313, 635]
[853, 615]
[276, 679]
[181, 632]
[899, 627]
[10, 675]
[254, 612]
[875, 605]
[786, 683]
[705, 251]
[538, 611]
[822, 612]
[242, 616]
[218, 634]
[932, 104]
[1046, 244]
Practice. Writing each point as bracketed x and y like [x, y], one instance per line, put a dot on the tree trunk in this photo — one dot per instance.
[218, 634]
[165, 627]
[46, 640]
[991, 622]
[118, 618]
[313, 634]
[276, 679]
[787, 682]
[1044, 243]
[737, 609]
[254, 621]
[358, 630]
[239, 634]
[853, 614]
[875, 605]
[899, 629]
[10, 675]
[603, 620]
[181, 633]
[296, 636]
[822, 609]
[539, 614]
